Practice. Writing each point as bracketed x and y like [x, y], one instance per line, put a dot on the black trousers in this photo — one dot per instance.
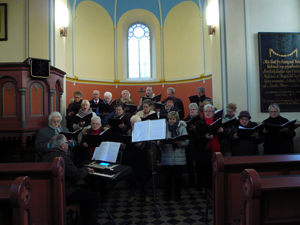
[89, 204]
[176, 172]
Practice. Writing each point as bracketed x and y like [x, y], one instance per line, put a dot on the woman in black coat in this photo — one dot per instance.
[277, 142]
[247, 145]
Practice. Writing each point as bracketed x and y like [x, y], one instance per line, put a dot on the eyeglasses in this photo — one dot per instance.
[55, 121]
[208, 111]
[273, 111]
[193, 109]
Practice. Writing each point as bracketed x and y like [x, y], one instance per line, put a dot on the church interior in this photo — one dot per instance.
[192, 43]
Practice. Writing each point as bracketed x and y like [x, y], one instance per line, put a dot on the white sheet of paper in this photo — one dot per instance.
[149, 130]
[107, 151]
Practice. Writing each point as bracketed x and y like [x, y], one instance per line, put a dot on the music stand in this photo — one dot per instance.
[155, 205]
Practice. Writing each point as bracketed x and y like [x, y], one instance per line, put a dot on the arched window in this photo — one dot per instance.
[139, 57]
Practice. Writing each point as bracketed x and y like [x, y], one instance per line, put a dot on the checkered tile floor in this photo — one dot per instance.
[190, 210]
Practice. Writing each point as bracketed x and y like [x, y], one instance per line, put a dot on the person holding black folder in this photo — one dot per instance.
[169, 106]
[135, 155]
[105, 115]
[173, 156]
[73, 108]
[247, 145]
[146, 105]
[192, 150]
[94, 103]
[210, 143]
[277, 142]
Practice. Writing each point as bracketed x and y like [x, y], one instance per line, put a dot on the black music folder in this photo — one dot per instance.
[159, 105]
[175, 139]
[152, 116]
[244, 132]
[86, 119]
[109, 108]
[154, 99]
[218, 114]
[194, 98]
[277, 128]
[115, 122]
[94, 140]
[228, 124]
[213, 128]
[130, 108]
[193, 121]
[72, 135]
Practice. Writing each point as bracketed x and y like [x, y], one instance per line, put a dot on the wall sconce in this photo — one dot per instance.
[212, 17]
[63, 20]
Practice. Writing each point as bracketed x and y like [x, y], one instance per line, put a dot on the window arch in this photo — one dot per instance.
[139, 51]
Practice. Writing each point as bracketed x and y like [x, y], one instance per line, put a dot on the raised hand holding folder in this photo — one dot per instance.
[72, 135]
[213, 128]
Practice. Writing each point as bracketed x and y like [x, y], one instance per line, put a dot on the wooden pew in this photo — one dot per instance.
[270, 200]
[227, 174]
[15, 202]
[48, 199]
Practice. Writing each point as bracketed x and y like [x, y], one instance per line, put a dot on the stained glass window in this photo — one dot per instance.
[139, 63]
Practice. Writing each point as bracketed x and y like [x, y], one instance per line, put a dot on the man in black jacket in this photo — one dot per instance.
[177, 102]
[88, 200]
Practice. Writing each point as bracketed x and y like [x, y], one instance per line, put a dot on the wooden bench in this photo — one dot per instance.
[15, 202]
[48, 180]
[227, 174]
[270, 200]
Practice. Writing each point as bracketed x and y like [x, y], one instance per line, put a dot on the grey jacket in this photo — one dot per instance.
[170, 156]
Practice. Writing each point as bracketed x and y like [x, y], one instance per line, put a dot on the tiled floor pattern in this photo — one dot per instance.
[190, 210]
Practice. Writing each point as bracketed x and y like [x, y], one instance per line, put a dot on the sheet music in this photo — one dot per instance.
[149, 130]
[107, 151]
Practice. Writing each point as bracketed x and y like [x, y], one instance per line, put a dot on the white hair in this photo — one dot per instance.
[209, 106]
[125, 90]
[108, 94]
[54, 114]
[96, 118]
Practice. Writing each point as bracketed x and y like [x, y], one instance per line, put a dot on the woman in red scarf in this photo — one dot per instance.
[210, 144]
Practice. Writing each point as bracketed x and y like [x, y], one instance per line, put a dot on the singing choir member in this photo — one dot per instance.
[73, 108]
[173, 156]
[243, 146]
[135, 155]
[212, 143]
[117, 114]
[177, 102]
[169, 106]
[105, 115]
[277, 142]
[94, 103]
[192, 150]
[126, 98]
[53, 128]
[149, 94]
[201, 95]
[83, 111]
[146, 111]
[88, 200]
[96, 129]
[230, 112]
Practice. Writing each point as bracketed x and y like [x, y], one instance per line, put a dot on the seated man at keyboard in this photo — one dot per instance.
[88, 200]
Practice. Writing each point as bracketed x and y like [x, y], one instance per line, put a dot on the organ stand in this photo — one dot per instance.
[26, 102]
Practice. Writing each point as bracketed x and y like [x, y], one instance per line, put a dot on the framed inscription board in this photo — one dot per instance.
[39, 68]
[279, 68]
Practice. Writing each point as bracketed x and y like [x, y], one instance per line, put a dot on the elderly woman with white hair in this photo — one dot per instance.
[135, 156]
[210, 143]
[105, 115]
[53, 128]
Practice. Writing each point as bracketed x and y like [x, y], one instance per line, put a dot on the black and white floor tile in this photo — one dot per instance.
[190, 210]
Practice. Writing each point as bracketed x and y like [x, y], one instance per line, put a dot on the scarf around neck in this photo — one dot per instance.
[174, 129]
[57, 130]
[83, 113]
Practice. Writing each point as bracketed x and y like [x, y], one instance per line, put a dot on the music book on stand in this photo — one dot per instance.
[149, 130]
[175, 139]
[109, 108]
[107, 152]
[244, 132]
[277, 128]
[156, 98]
[193, 121]
[228, 124]
[194, 98]
[213, 128]
[152, 116]
[94, 140]
[72, 135]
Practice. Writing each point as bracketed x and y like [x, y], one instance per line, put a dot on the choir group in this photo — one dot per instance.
[204, 131]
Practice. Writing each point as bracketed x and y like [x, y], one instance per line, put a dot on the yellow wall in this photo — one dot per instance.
[14, 49]
[94, 38]
[183, 41]
[38, 29]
